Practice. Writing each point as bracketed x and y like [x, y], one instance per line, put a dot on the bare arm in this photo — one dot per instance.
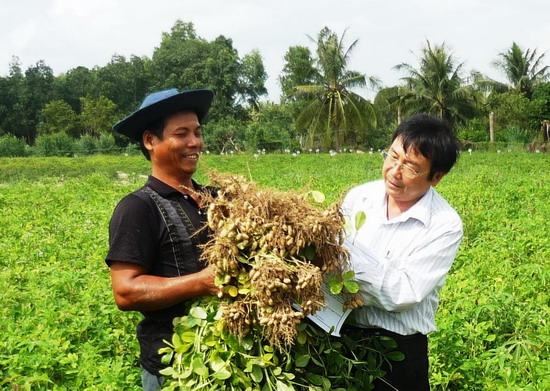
[135, 290]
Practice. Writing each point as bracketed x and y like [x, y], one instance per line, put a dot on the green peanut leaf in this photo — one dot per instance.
[360, 218]
[267, 358]
[395, 356]
[222, 374]
[176, 341]
[188, 336]
[284, 387]
[198, 312]
[315, 379]
[349, 275]
[351, 286]
[326, 384]
[336, 288]
[247, 342]
[216, 363]
[198, 367]
[256, 374]
[317, 196]
[231, 290]
[168, 371]
[302, 360]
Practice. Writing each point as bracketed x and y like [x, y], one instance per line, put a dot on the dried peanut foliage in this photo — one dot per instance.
[270, 249]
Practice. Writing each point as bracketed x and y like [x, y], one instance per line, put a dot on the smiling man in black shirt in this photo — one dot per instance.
[153, 241]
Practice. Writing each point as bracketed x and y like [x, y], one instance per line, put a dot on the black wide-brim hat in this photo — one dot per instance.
[160, 104]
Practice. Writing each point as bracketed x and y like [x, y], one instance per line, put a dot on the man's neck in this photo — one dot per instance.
[397, 208]
[183, 184]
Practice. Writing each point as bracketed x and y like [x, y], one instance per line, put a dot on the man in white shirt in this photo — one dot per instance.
[403, 251]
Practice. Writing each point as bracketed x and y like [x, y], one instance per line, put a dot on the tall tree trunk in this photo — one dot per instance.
[491, 127]
[398, 114]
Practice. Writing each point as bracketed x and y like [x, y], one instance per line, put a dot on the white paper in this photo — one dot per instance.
[332, 316]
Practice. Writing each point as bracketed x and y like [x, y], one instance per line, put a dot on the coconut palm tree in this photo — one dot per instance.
[523, 71]
[335, 116]
[437, 86]
[392, 100]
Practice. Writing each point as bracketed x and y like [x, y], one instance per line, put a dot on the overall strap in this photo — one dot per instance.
[180, 229]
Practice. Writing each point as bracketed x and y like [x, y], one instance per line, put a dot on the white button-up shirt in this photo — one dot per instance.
[400, 264]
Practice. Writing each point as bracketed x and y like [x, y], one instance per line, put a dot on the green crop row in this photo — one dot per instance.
[60, 329]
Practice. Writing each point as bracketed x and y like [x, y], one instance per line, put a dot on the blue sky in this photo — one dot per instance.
[69, 33]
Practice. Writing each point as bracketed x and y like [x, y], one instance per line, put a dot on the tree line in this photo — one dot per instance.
[319, 107]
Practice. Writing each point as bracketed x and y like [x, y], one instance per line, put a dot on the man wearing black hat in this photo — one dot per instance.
[154, 233]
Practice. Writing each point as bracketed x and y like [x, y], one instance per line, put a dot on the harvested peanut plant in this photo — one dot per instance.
[271, 252]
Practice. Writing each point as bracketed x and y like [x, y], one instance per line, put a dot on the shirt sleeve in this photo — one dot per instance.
[132, 233]
[400, 284]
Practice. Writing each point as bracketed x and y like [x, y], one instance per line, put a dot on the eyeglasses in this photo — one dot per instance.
[407, 171]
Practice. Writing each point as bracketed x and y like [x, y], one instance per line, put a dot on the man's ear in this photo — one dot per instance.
[148, 140]
[437, 178]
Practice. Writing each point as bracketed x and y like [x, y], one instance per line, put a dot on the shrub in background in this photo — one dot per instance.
[515, 135]
[476, 130]
[11, 146]
[58, 144]
[132, 149]
[86, 145]
[106, 144]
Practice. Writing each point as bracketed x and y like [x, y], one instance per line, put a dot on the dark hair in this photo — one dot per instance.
[157, 128]
[432, 138]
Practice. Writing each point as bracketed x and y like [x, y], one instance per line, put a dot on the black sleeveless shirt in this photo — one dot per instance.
[156, 227]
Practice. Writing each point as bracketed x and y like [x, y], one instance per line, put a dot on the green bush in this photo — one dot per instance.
[477, 130]
[87, 145]
[515, 135]
[58, 144]
[132, 149]
[11, 146]
[106, 144]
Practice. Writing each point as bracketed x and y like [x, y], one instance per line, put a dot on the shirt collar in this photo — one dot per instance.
[419, 211]
[165, 190]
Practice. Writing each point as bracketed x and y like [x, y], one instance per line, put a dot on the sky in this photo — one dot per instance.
[70, 33]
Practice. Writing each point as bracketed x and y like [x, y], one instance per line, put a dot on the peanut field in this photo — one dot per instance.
[60, 328]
